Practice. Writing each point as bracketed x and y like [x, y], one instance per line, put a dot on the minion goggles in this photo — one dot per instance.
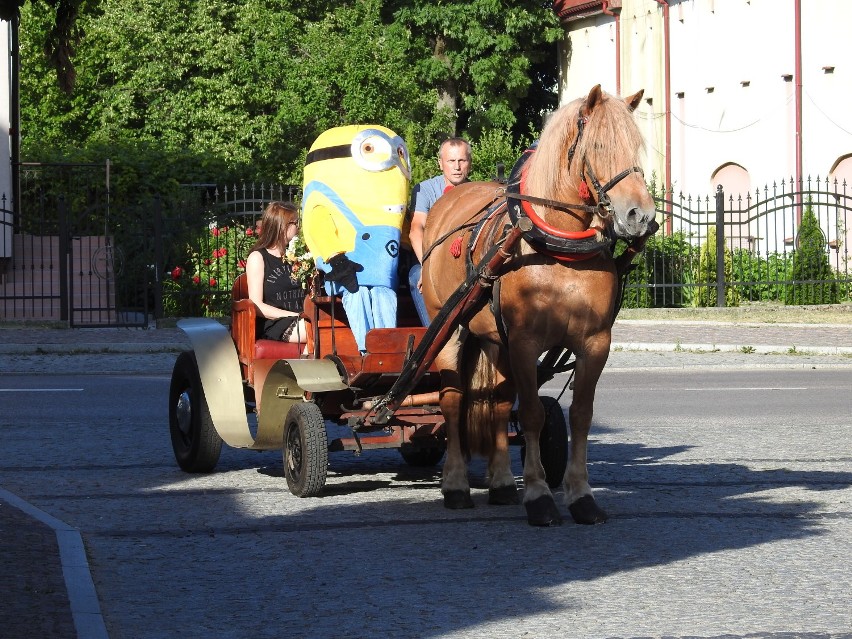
[372, 150]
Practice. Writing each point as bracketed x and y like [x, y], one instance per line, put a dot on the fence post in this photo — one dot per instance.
[64, 255]
[158, 258]
[720, 247]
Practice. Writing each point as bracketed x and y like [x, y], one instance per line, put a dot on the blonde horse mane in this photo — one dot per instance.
[611, 142]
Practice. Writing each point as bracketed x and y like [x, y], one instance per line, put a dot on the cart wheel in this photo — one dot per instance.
[553, 443]
[421, 456]
[305, 450]
[195, 442]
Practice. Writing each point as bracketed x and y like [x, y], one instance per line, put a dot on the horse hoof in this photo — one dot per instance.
[543, 512]
[503, 495]
[585, 511]
[457, 500]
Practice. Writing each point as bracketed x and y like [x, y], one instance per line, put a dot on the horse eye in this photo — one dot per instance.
[368, 148]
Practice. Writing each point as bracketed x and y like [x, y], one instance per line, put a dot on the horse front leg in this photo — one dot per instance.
[538, 500]
[454, 481]
[578, 493]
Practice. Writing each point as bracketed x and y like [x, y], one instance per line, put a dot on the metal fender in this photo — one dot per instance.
[221, 380]
[285, 384]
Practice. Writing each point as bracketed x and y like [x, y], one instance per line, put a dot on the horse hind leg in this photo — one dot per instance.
[455, 486]
[502, 488]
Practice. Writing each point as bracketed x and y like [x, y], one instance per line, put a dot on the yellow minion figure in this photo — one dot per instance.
[354, 197]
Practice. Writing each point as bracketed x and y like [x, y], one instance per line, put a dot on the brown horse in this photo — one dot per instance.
[556, 289]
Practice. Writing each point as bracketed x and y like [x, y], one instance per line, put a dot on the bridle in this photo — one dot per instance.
[545, 238]
[604, 205]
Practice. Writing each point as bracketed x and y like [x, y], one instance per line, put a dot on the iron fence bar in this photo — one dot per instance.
[65, 290]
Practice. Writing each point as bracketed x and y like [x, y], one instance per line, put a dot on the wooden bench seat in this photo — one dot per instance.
[328, 335]
[243, 325]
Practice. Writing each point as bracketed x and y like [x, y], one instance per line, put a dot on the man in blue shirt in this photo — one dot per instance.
[454, 162]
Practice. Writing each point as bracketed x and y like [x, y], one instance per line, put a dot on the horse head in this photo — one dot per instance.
[589, 153]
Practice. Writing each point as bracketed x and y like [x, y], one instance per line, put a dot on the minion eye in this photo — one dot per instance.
[374, 150]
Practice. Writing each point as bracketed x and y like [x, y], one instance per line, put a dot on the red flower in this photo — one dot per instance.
[207, 261]
[212, 281]
[196, 279]
[249, 232]
[177, 272]
[224, 229]
[241, 264]
[215, 231]
[223, 252]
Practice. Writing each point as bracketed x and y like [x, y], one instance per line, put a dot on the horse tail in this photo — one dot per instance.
[480, 418]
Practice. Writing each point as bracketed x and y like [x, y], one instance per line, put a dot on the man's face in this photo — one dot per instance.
[455, 163]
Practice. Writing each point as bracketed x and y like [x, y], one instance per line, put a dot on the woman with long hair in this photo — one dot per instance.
[276, 294]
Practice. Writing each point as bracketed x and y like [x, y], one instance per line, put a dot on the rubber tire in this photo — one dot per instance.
[424, 457]
[305, 450]
[195, 442]
[553, 444]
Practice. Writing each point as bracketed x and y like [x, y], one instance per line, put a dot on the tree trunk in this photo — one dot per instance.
[448, 92]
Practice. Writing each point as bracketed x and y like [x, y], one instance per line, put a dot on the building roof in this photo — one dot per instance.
[568, 10]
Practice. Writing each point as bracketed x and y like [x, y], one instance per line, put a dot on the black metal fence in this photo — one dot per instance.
[74, 255]
[59, 257]
[202, 241]
[788, 244]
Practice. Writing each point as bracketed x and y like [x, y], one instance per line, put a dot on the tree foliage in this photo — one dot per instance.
[814, 279]
[248, 86]
[59, 38]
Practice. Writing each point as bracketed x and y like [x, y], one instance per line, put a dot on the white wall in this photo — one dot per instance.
[742, 50]
[723, 44]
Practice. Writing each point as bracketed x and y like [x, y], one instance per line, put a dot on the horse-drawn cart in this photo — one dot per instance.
[267, 395]
[517, 277]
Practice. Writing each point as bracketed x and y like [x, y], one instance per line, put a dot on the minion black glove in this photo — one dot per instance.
[343, 271]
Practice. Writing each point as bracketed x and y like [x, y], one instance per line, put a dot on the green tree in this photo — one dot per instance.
[250, 85]
[490, 62]
[814, 279]
[59, 38]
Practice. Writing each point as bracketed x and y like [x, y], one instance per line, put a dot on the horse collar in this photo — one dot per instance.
[544, 238]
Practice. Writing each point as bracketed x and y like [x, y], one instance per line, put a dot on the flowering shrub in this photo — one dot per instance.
[201, 285]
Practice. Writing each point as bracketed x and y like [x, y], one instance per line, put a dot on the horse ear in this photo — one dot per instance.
[595, 96]
[633, 100]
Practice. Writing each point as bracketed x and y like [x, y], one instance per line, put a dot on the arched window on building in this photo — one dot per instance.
[736, 185]
[840, 183]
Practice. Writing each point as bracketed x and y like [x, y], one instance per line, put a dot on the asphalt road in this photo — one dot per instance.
[729, 490]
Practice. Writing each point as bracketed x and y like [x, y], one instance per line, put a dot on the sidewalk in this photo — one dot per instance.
[50, 597]
[663, 335]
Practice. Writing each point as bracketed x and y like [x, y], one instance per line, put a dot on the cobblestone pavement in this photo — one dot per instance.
[33, 582]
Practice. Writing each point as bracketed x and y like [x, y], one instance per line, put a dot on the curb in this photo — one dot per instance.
[92, 348]
[732, 348]
[85, 607]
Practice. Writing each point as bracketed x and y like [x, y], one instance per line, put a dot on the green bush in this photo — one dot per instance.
[760, 279]
[662, 277]
[814, 281]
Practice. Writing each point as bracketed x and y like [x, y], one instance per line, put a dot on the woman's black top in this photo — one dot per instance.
[282, 291]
